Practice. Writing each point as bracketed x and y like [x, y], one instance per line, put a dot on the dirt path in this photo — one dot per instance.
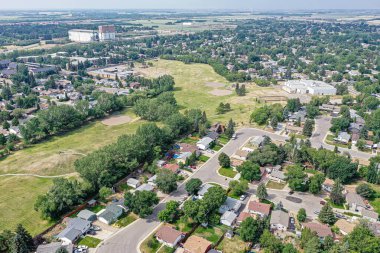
[39, 176]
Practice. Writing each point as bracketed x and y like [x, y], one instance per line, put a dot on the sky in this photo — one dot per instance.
[190, 4]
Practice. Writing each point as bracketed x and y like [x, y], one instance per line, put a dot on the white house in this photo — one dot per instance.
[169, 236]
[279, 220]
[204, 143]
[76, 228]
[228, 218]
[110, 214]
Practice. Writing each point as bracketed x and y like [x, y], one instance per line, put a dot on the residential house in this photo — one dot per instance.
[279, 220]
[76, 227]
[258, 208]
[375, 228]
[160, 163]
[87, 215]
[354, 138]
[322, 230]
[355, 127]
[204, 143]
[53, 247]
[355, 202]
[202, 191]
[257, 141]
[218, 128]
[172, 167]
[278, 176]
[169, 236]
[185, 147]
[196, 244]
[370, 215]
[230, 204]
[182, 157]
[344, 226]
[298, 116]
[244, 215]
[133, 182]
[145, 187]
[328, 108]
[291, 129]
[110, 214]
[228, 218]
[343, 137]
[328, 185]
[212, 135]
[241, 155]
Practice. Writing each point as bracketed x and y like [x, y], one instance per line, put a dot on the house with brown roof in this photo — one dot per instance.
[355, 202]
[258, 208]
[322, 230]
[328, 185]
[344, 226]
[196, 244]
[172, 167]
[185, 147]
[370, 215]
[244, 215]
[241, 155]
[169, 236]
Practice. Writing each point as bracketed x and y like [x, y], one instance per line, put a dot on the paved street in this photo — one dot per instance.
[130, 237]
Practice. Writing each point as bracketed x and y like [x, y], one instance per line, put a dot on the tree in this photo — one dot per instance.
[293, 104]
[362, 239]
[18, 245]
[22, 238]
[141, 202]
[6, 240]
[327, 215]
[270, 242]
[249, 171]
[61, 250]
[312, 111]
[301, 215]
[224, 160]
[262, 191]
[230, 129]
[193, 185]
[308, 128]
[238, 187]
[6, 125]
[274, 123]
[365, 190]
[316, 182]
[166, 181]
[336, 194]
[170, 213]
[297, 178]
[251, 229]
[289, 248]
[104, 193]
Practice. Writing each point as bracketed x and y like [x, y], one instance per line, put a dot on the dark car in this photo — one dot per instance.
[291, 192]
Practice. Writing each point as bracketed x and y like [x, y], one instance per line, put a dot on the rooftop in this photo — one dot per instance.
[321, 229]
[280, 217]
[168, 234]
[258, 207]
[196, 244]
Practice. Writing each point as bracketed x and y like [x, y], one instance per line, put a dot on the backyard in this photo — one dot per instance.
[233, 245]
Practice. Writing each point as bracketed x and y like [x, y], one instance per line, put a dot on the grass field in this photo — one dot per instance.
[125, 220]
[233, 245]
[211, 234]
[274, 185]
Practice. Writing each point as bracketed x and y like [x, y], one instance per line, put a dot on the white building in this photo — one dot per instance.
[204, 143]
[309, 87]
[83, 36]
[107, 32]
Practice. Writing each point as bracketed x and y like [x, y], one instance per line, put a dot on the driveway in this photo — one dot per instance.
[129, 238]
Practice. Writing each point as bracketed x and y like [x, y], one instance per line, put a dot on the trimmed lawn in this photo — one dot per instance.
[96, 208]
[227, 172]
[223, 139]
[126, 219]
[203, 158]
[190, 140]
[233, 245]
[89, 241]
[376, 204]
[230, 194]
[150, 245]
[217, 147]
[330, 140]
[211, 234]
[274, 185]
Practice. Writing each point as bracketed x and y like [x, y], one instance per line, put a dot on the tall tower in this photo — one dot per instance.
[107, 32]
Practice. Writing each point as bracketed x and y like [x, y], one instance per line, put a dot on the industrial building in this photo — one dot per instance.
[309, 87]
[83, 36]
[107, 32]
[104, 33]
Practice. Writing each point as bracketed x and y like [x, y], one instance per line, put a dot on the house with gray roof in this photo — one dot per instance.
[279, 220]
[145, 187]
[53, 247]
[110, 214]
[370, 215]
[133, 182]
[228, 218]
[343, 137]
[204, 143]
[257, 141]
[355, 202]
[230, 204]
[87, 215]
[278, 176]
[202, 191]
[76, 228]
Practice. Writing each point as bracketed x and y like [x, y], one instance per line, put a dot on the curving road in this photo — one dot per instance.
[128, 238]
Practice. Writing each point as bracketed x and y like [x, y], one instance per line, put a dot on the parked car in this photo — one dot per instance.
[95, 228]
[291, 192]
[234, 137]
[91, 232]
[316, 212]
[322, 202]
[242, 197]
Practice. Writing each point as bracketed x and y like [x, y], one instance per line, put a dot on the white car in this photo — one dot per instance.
[242, 197]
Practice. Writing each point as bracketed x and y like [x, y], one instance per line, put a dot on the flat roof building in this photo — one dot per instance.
[83, 36]
[309, 87]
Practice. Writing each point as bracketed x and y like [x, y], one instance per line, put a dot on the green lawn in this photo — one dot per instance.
[166, 249]
[188, 140]
[183, 226]
[89, 241]
[223, 139]
[211, 234]
[126, 219]
[230, 194]
[334, 205]
[203, 158]
[217, 147]
[330, 140]
[233, 245]
[227, 172]
[150, 245]
[96, 208]
[274, 185]
[376, 204]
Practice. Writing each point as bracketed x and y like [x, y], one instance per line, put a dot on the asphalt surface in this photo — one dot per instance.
[128, 239]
